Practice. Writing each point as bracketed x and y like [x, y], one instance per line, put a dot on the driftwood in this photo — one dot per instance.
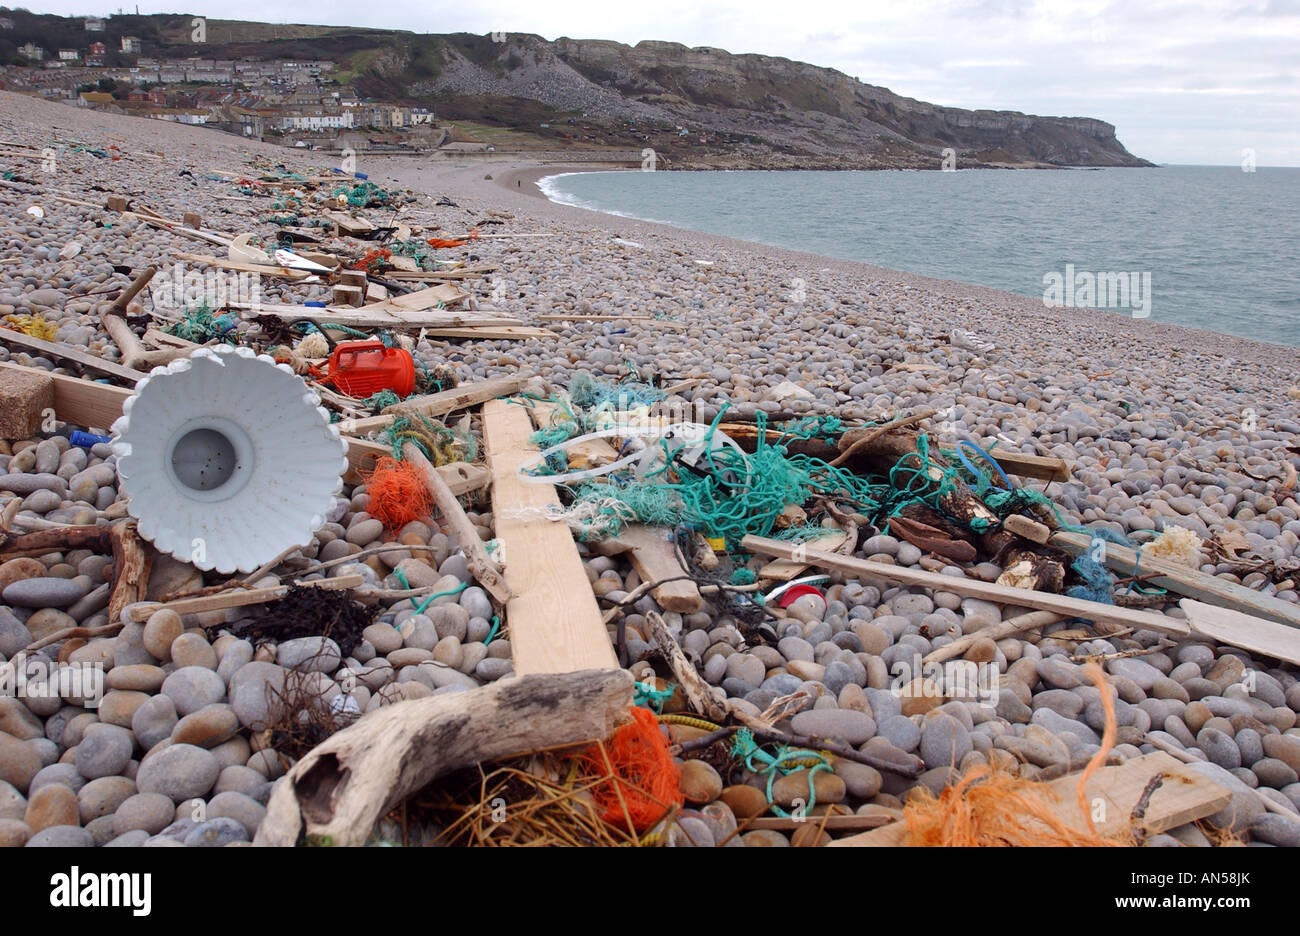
[481, 566]
[1015, 625]
[132, 558]
[698, 693]
[877, 451]
[341, 788]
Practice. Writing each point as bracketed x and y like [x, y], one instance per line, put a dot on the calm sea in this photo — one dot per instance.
[1219, 247]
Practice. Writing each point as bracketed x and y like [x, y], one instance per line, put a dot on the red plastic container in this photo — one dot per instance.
[363, 368]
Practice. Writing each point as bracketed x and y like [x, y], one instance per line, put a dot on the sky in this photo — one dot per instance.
[1185, 83]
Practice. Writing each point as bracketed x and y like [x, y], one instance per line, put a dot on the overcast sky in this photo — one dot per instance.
[1183, 82]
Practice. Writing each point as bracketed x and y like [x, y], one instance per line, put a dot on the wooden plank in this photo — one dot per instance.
[240, 266]
[1038, 467]
[67, 352]
[636, 319]
[852, 823]
[972, 588]
[654, 557]
[82, 402]
[491, 333]
[596, 451]
[1031, 530]
[436, 405]
[1223, 625]
[485, 570]
[1183, 797]
[1189, 582]
[472, 323]
[554, 622]
[239, 598]
[782, 570]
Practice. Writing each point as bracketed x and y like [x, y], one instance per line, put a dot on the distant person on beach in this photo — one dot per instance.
[519, 183]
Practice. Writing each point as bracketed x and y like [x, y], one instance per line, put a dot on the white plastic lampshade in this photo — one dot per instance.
[228, 459]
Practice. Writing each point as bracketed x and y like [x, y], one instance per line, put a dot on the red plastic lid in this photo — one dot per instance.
[790, 596]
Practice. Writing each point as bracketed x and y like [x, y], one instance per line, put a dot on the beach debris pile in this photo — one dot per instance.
[629, 619]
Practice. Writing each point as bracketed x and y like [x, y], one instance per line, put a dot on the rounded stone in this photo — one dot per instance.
[217, 832]
[103, 797]
[52, 805]
[309, 654]
[699, 782]
[148, 812]
[206, 728]
[19, 762]
[254, 693]
[119, 706]
[844, 725]
[745, 801]
[245, 810]
[104, 753]
[193, 650]
[153, 721]
[14, 833]
[944, 741]
[43, 593]
[160, 631]
[63, 836]
[192, 687]
[181, 771]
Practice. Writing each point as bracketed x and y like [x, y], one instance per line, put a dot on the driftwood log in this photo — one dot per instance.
[485, 571]
[346, 784]
[132, 557]
[698, 693]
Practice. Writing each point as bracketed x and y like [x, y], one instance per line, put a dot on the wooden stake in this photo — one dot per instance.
[481, 565]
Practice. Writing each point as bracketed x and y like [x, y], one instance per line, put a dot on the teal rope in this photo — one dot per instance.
[652, 698]
[759, 761]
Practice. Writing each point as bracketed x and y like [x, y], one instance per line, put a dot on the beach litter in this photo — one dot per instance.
[641, 600]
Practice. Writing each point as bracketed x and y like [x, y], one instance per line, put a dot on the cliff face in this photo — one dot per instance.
[759, 109]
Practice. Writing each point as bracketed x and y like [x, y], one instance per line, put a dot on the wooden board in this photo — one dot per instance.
[1031, 466]
[240, 266]
[372, 316]
[491, 333]
[1183, 797]
[655, 558]
[828, 823]
[595, 451]
[972, 588]
[1189, 582]
[239, 598]
[1223, 625]
[554, 623]
[67, 352]
[436, 405]
[82, 402]
[782, 570]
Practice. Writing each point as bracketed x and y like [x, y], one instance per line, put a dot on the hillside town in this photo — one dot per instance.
[287, 101]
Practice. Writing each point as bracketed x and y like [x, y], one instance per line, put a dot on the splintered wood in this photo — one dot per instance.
[555, 625]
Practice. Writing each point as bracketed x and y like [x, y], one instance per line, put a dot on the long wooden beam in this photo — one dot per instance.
[67, 352]
[1257, 635]
[1190, 582]
[555, 624]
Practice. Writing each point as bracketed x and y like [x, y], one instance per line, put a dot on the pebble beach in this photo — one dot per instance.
[1161, 427]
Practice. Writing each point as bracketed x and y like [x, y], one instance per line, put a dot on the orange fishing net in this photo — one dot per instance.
[646, 781]
[991, 807]
[445, 242]
[398, 493]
